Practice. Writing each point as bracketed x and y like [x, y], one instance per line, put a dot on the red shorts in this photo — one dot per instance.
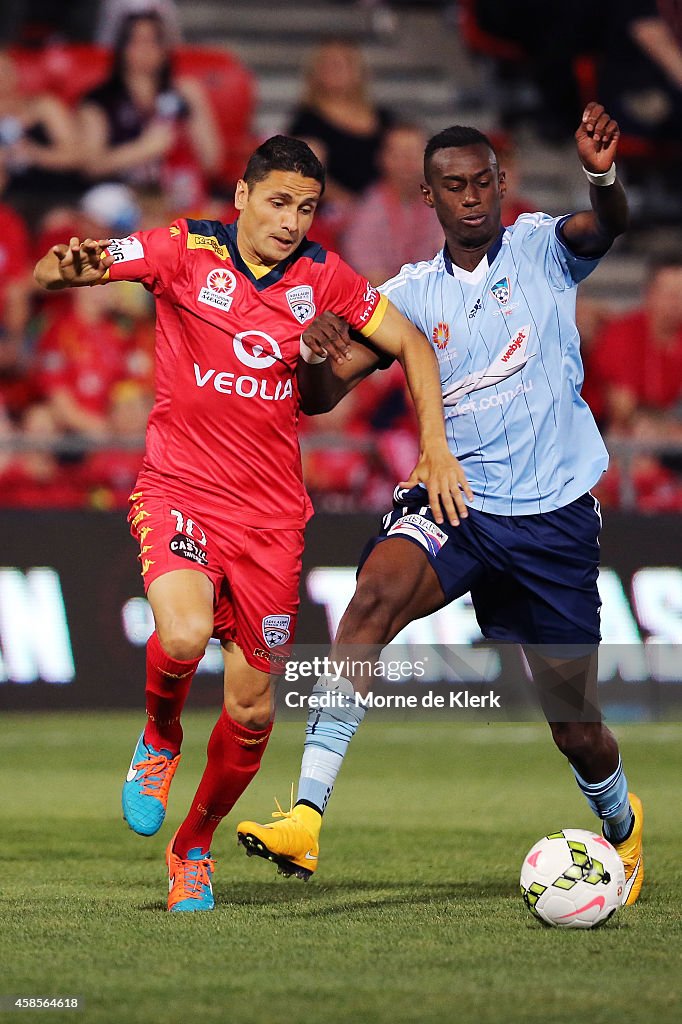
[255, 571]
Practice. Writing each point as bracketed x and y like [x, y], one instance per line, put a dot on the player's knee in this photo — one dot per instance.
[253, 711]
[370, 607]
[576, 740]
[185, 637]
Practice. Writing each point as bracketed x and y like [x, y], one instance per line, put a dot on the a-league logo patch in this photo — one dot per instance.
[301, 302]
[441, 335]
[421, 529]
[276, 629]
[220, 285]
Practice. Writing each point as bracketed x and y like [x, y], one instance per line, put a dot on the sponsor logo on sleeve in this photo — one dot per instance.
[371, 297]
[220, 284]
[125, 249]
[187, 547]
[208, 242]
[421, 529]
[301, 302]
[276, 629]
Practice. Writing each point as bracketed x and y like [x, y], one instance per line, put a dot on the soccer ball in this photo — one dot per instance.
[572, 879]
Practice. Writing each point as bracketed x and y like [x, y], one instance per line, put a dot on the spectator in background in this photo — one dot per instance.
[338, 112]
[16, 285]
[109, 474]
[79, 359]
[37, 477]
[639, 60]
[37, 145]
[114, 12]
[638, 357]
[391, 225]
[515, 202]
[143, 126]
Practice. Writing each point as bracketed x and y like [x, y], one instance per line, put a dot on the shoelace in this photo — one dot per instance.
[155, 774]
[195, 874]
[279, 813]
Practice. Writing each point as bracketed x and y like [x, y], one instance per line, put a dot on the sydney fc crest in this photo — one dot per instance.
[301, 303]
[501, 291]
[276, 629]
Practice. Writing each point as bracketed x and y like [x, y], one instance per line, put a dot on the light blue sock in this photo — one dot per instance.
[609, 800]
[328, 732]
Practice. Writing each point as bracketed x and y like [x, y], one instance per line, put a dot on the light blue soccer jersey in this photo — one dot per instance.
[510, 367]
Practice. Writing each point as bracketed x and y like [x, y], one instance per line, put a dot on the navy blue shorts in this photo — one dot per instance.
[533, 579]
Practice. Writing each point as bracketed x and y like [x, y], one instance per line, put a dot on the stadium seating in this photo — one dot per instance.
[69, 71]
[231, 90]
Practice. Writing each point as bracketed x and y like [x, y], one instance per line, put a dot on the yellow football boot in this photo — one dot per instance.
[291, 843]
[630, 852]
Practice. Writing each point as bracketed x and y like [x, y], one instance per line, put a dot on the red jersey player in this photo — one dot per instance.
[219, 507]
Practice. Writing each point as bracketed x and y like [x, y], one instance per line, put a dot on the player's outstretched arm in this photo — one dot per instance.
[74, 265]
[332, 363]
[437, 468]
[591, 233]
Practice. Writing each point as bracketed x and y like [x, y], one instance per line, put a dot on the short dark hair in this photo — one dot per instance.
[455, 137]
[282, 153]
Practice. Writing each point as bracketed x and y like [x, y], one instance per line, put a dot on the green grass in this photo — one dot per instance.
[414, 915]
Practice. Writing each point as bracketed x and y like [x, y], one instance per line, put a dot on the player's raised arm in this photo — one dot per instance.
[590, 233]
[74, 265]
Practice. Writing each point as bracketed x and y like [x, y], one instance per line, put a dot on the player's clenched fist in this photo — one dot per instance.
[597, 139]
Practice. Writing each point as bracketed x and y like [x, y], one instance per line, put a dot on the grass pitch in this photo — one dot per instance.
[414, 914]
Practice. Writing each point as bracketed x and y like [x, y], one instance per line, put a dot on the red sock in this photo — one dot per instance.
[168, 683]
[234, 756]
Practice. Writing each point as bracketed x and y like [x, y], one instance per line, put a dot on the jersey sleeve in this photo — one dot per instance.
[351, 296]
[541, 238]
[576, 268]
[151, 257]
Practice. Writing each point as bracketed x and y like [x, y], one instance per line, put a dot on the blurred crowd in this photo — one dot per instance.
[108, 124]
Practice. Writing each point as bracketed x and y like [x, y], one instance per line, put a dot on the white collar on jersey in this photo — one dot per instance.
[481, 269]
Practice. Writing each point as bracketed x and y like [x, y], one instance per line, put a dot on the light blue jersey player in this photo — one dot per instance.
[509, 355]
[499, 306]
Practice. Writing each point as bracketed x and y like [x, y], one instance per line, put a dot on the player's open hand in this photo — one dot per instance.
[328, 335]
[445, 481]
[597, 139]
[83, 263]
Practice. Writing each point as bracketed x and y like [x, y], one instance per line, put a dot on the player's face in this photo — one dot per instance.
[465, 189]
[274, 215]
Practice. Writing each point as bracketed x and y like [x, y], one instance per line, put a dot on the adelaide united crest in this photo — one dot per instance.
[301, 302]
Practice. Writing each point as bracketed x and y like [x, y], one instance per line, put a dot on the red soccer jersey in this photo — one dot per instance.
[227, 344]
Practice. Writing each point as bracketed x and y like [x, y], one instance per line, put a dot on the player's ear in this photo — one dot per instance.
[502, 180]
[241, 195]
[427, 195]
